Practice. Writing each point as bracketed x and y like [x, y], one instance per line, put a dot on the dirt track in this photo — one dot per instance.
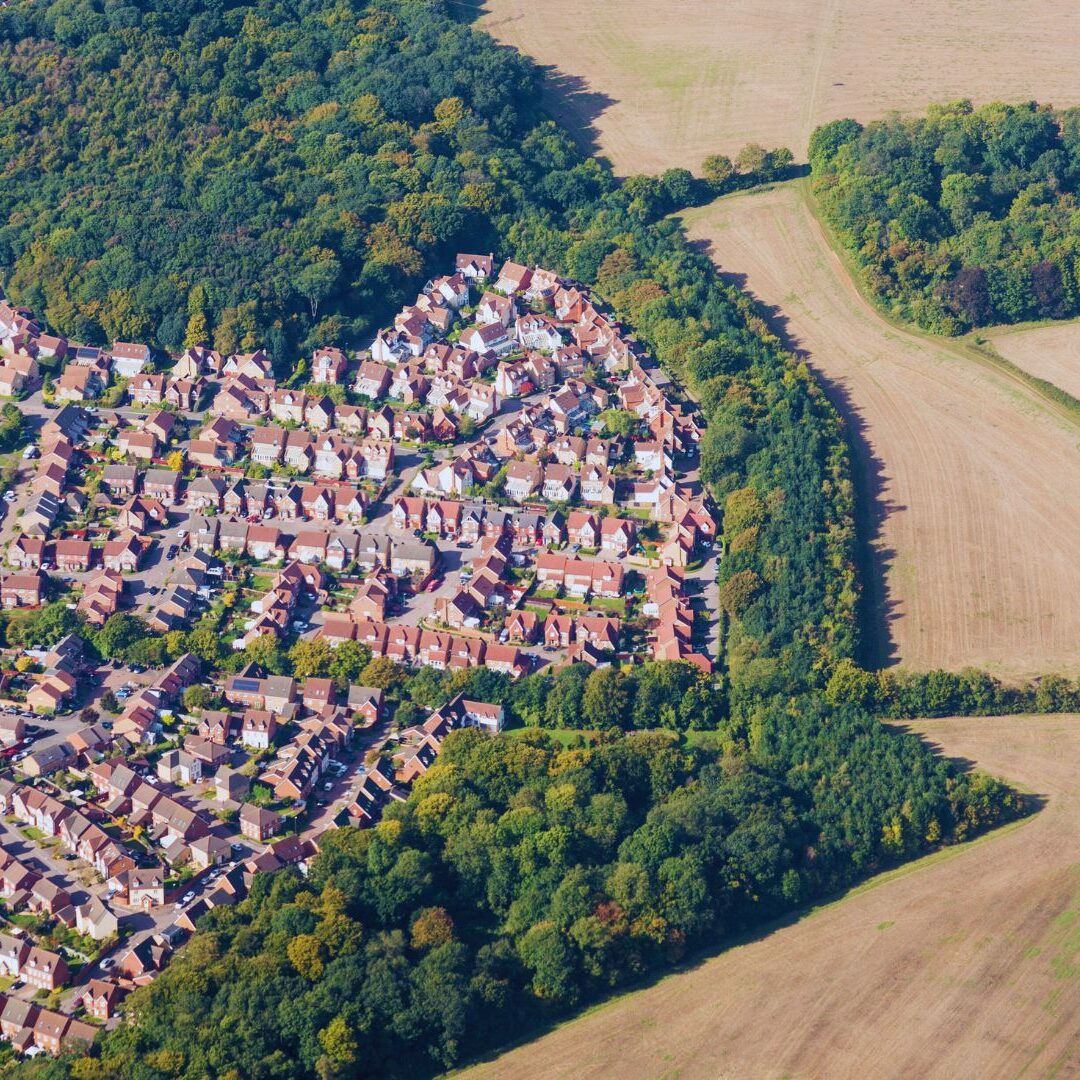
[974, 480]
[957, 967]
[657, 85]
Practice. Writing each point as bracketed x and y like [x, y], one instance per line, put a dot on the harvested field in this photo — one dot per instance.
[1047, 352]
[966, 964]
[658, 85]
[971, 479]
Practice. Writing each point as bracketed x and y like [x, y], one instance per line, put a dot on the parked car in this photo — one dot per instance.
[171, 551]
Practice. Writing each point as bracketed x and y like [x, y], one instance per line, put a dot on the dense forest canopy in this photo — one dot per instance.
[962, 218]
[285, 175]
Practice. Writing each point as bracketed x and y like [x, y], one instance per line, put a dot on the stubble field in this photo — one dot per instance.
[1047, 352]
[964, 964]
[970, 479]
[659, 85]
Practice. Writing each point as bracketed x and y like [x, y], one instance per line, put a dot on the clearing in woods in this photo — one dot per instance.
[963, 964]
[1047, 352]
[970, 478]
[653, 86]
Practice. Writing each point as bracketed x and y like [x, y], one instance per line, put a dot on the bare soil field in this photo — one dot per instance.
[658, 85]
[1047, 352]
[965, 964]
[971, 479]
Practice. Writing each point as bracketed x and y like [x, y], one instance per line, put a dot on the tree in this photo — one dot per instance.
[431, 927]
[382, 673]
[739, 590]
[315, 275]
[718, 170]
[305, 952]
[118, 634]
[339, 1041]
[310, 658]
[175, 460]
[606, 698]
[199, 697]
[752, 159]
[348, 662]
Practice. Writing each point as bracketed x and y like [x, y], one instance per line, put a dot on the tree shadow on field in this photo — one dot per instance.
[878, 610]
[567, 99]
[1033, 802]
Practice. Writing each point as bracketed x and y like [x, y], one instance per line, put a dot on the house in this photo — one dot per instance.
[147, 389]
[26, 552]
[617, 535]
[365, 701]
[145, 886]
[230, 785]
[583, 529]
[320, 414]
[40, 513]
[184, 394]
[101, 998]
[475, 267]
[259, 824]
[120, 479]
[490, 337]
[372, 380]
[522, 626]
[101, 596]
[163, 485]
[72, 555]
[209, 850]
[513, 277]
[79, 384]
[597, 485]
[129, 359]
[47, 898]
[179, 767]
[274, 693]
[96, 920]
[13, 954]
[412, 558]
[482, 715]
[45, 970]
[523, 479]
[22, 590]
[318, 694]
[495, 309]
[258, 729]
[46, 697]
[122, 553]
[12, 729]
[328, 365]
[560, 483]
[141, 513]
[268, 445]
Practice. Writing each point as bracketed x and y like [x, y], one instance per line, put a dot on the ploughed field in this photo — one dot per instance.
[971, 479]
[963, 964]
[660, 85]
